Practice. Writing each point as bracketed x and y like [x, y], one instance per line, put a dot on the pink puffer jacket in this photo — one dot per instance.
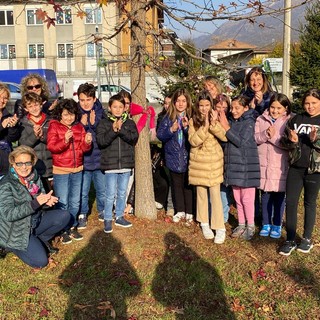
[273, 158]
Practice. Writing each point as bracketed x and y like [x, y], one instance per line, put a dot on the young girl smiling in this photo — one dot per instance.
[206, 166]
[173, 132]
[274, 163]
[242, 170]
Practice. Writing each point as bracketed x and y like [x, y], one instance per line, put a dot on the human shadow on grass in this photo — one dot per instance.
[99, 281]
[304, 277]
[188, 286]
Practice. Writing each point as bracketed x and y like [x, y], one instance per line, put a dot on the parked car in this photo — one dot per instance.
[15, 76]
[15, 94]
[108, 90]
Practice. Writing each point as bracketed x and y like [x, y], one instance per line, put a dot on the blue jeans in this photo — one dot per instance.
[116, 190]
[52, 222]
[97, 176]
[226, 198]
[67, 187]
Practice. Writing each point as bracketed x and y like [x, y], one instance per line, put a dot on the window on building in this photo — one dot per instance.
[7, 51]
[65, 50]
[64, 17]
[36, 51]
[6, 17]
[91, 50]
[32, 17]
[93, 16]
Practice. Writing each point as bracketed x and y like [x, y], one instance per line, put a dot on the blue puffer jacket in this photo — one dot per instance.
[92, 158]
[241, 159]
[260, 108]
[176, 156]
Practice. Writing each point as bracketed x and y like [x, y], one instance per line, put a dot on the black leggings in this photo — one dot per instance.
[299, 178]
[182, 192]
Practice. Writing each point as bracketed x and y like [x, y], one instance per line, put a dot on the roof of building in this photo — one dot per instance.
[231, 44]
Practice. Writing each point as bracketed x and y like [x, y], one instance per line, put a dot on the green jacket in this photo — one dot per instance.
[16, 210]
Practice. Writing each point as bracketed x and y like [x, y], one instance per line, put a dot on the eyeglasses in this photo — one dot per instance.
[21, 164]
[37, 86]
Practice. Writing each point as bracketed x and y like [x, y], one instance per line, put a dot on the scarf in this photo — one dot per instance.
[40, 122]
[180, 130]
[113, 118]
[28, 181]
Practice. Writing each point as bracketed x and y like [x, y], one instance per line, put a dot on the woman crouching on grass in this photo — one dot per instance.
[25, 226]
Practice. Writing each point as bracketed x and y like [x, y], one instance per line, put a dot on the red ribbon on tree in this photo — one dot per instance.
[135, 110]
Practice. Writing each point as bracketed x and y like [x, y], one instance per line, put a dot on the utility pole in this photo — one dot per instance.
[286, 48]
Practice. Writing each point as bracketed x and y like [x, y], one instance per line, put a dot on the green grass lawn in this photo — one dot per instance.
[161, 270]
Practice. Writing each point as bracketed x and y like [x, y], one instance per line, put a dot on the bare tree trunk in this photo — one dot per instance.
[144, 194]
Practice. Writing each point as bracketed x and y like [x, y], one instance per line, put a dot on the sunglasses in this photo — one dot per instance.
[21, 164]
[37, 86]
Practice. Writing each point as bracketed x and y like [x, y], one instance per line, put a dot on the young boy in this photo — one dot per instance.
[34, 127]
[116, 137]
[91, 113]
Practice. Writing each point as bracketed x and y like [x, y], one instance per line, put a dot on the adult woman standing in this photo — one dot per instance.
[33, 82]
[25, 228]
[258, 89]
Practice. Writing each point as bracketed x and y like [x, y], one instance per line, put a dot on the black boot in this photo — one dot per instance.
[51, 250]
[3, 253]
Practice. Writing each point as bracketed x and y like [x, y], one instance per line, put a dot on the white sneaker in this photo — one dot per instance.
[206, 230]
[220, 236]
[177, 217]
[189, 219]
[159, 206]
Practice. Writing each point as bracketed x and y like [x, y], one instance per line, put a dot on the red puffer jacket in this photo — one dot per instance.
[67, 155]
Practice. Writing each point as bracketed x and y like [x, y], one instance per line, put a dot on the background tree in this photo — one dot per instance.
[305, 57]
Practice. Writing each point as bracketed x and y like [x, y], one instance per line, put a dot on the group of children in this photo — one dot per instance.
[77, 143]
[212, 148]
[254, 145]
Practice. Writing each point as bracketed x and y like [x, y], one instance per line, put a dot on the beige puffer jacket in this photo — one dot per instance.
[206, 155]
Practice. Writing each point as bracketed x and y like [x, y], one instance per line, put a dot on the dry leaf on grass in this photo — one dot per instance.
[134, 282]
[236, 305]
[106, 305]
[271, 264]
[176, 310]
[33, 290]
[44, 313]
[82, 306]
[252, 256]
[262, 288]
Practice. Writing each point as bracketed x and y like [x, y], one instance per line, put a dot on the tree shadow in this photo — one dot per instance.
[99, 280]
[187, 285]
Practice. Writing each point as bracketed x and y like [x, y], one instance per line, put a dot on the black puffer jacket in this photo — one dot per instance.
[241, 159]
[117, 148]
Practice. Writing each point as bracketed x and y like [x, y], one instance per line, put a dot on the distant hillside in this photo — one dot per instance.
[252, 33]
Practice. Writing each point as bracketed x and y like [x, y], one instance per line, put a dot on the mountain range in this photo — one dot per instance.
[264, 31]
